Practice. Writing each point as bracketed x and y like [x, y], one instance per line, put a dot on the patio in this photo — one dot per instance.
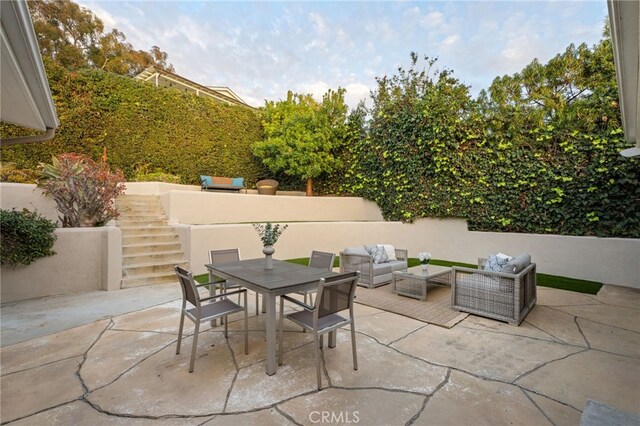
[123, 370]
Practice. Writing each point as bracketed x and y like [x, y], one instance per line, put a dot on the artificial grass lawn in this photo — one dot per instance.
[543, 280]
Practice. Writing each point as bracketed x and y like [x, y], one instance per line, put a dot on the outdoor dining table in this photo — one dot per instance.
[284, 278]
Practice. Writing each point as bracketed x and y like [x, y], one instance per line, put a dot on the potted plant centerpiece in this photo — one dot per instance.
[269, 234]
[424, 259]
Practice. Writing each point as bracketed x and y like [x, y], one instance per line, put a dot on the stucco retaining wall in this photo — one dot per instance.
[27, 196]
[608, 260]
[86, 259]
[204, 208]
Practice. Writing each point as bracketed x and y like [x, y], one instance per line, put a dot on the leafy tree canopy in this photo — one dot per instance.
[302, 135]
[74, 37]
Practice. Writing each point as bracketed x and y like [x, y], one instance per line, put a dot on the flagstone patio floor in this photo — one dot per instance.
[124, 370]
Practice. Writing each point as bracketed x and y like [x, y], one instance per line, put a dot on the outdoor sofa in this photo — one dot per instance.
[506, 295]
[376, 263]
[217, 183]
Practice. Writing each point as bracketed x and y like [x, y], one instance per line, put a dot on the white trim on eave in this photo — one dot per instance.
[624, 16]
[25, 97]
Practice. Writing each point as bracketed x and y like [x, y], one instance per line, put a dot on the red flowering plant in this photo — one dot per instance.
[83, 189]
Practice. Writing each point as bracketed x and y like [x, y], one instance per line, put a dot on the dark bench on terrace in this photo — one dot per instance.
[217, 183]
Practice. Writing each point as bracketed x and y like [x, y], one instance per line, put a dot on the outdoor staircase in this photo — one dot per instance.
[150, 247]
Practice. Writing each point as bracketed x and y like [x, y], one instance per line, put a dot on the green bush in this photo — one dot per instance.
[139, 124]
[144, 175]
[25, 236]
[10, 173]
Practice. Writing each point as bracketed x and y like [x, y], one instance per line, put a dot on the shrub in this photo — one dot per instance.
[10, 173]
[25, 236]
[144, 175]
[84, 190]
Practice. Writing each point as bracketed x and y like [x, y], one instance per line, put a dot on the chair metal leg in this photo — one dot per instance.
[281, 332]
[317, 351]
[180, 331]
[195, 346]
[353, 345]
[226, 327]
[257, 304]
[246, 326]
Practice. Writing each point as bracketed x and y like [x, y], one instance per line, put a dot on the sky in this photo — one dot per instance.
[260, 50]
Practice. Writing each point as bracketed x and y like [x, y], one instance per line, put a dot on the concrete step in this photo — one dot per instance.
[138, 269]
[125, 222]
[142, 209]
[145, 248]
[142, 216]
[176, 256]
[140, 206]
[150, 279]
[130, 231]
[150, 238]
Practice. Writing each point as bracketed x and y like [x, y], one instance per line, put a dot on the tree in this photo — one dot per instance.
[302, 136]
[74, 37]
[420, 120]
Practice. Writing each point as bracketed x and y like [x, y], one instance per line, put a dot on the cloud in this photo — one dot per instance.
[356, 92]
[450, 40]
[318, 21]
[432, 19]
[316, 89]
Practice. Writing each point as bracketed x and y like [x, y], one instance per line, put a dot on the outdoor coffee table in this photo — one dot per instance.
[415, 285]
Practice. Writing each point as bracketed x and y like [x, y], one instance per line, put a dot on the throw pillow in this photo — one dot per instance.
[206, 180]
[391, 252]
[495, 263]
[370, 248]
[379, 255]
[517, 264]
[237, 182]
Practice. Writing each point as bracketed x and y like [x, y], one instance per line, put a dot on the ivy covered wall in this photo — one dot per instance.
[538, 153]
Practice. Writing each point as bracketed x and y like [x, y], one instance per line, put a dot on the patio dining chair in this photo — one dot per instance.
[217, 257]
[320, 260]
[335, 294]
[220, 307]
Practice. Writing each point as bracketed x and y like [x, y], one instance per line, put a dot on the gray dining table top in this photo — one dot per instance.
[283, 274]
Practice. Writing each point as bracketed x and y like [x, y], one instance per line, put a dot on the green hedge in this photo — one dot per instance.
[26, 237]
[141, 125]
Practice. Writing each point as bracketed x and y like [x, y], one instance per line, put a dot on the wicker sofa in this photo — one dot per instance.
[505, 296]
[372, 274]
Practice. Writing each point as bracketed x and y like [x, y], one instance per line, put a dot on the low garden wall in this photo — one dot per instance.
[204, 208]
[607, 260]
[86, 259]
[27, 196]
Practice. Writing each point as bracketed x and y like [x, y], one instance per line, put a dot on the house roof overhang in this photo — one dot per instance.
[624, 16]
[223, 94]
[25, 97]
